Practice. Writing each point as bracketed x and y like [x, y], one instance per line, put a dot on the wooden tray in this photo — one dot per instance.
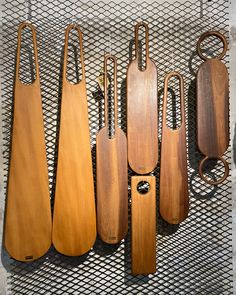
[212, 108]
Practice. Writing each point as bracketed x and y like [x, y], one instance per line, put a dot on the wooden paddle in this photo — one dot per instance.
[212, 108]
[143, 222]
[28, 213]
[112, 176]
[174, 197]
[142, 126]
[74, 219]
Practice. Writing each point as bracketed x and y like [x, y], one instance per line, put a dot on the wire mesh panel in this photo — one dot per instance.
[193, 257]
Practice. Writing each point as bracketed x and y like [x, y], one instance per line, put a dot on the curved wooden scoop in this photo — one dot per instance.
[142, 127]
[74, 219]
[213, 108]
[28, 213]
[174, 197]
[112, 176]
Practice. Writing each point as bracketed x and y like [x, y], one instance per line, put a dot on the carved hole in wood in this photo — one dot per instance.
[142, 55]
[73, 70]
[142, 50]
[27, 69]
[207, 180]
[143, 187]
[211, 43]
[173, 111]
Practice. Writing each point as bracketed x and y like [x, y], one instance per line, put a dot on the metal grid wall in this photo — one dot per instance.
[193, 258]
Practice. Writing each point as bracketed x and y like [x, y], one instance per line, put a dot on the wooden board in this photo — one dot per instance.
[112, 175]
[143, 222]
[212, 108]
[142, 126]
[174, 196]
[28, 213]
[74, 219]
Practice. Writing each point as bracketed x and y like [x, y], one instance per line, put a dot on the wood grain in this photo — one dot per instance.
[212, 108]
[143, 222]
[28, 213]
[174, 196]
[112, 175]
[74, 219]
[142, 126]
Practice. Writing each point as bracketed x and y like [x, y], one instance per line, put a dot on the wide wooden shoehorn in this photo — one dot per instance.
[112, 173]
[212, 108]
[142, 126]
[28, 214]
[143, 222]
[74, 218]
[174, 196]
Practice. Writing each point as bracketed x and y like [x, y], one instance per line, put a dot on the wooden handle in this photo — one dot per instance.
[141, 24]
[181, 81]
[68, 29]
[33, 30]
[113, 58]
[212, 182]
[212, 33]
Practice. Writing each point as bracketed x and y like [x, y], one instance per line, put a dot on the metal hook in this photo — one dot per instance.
[172, 61]
[208, 6]
[110, 39]
[26, 11]
[73, 16]
[139, 13]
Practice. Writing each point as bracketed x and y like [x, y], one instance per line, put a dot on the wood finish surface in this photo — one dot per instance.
[74, 220]
[28, 213]
[112, 175]
[174, 196]
[142, 126]
[143, 222]
[213, 108]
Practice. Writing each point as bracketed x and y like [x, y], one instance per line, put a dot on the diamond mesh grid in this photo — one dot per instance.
[192, 258]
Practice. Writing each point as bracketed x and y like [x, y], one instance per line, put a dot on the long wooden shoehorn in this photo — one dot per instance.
[142, 123]
[174, 196]
[28, 213]
[112, 175]
[74, 218]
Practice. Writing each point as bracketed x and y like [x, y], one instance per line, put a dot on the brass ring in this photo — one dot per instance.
[212, 182]
[212, 33]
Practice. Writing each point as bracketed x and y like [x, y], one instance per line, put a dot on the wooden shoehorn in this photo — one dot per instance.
[28, 213]
[74, 218]
[174, 196]
[112, 173]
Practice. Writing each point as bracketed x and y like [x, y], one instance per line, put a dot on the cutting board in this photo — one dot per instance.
[112, 175]
[174, 196]
[74, 218]
[143, 223]
[28, 213]
[142, 126]
[212, 107]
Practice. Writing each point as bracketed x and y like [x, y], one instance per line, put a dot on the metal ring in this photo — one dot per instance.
[212, 33]
[212, 182]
